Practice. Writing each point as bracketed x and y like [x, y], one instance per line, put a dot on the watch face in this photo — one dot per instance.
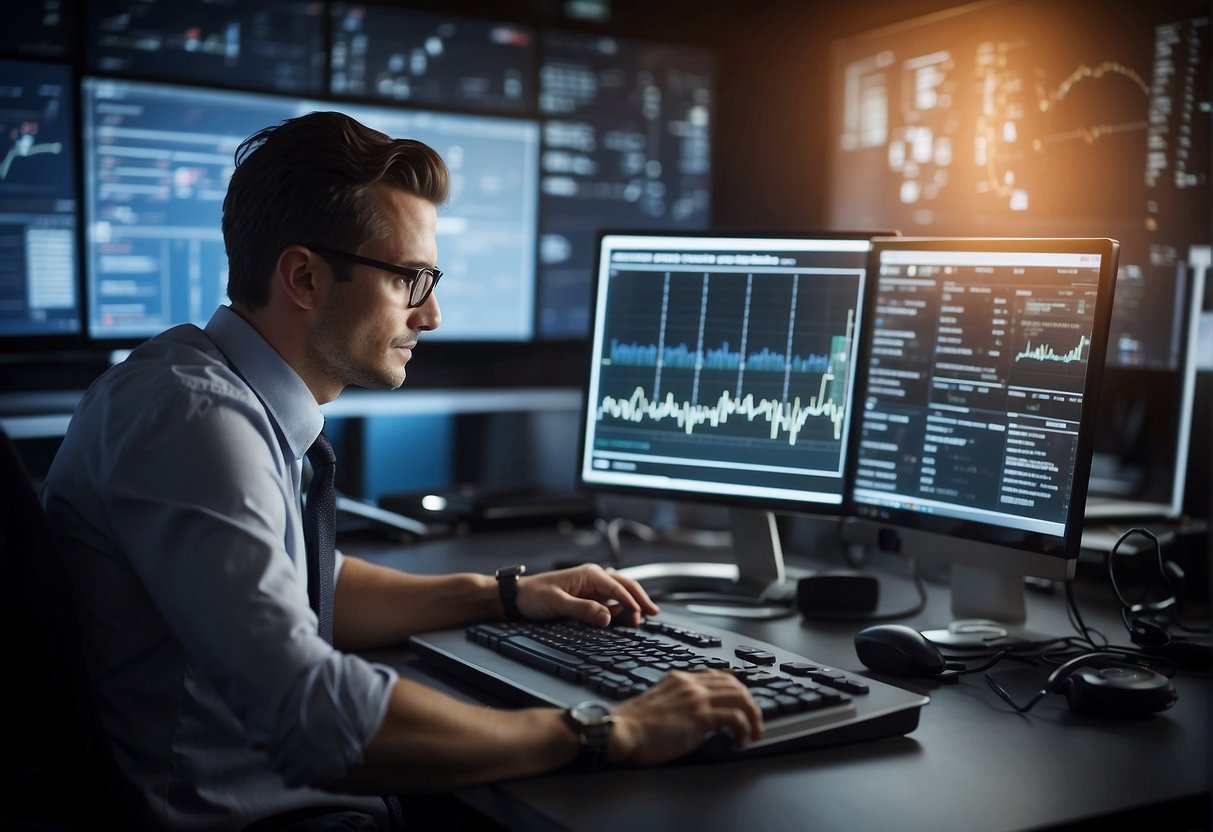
[589, 713]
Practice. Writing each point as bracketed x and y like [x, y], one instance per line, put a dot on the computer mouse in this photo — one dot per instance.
[898, 650]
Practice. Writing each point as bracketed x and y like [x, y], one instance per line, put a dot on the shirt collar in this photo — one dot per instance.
[289, 401]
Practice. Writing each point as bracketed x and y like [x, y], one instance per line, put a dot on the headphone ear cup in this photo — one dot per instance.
[1118, 690]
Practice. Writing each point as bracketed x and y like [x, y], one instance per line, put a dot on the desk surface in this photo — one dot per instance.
[971, 764]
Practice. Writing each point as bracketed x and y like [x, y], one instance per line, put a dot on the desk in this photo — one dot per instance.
[972, 764]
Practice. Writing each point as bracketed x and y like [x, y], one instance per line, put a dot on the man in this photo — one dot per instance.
[176, 494]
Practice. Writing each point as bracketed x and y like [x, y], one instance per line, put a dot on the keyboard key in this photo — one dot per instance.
[647, 674]
[797, 668]
[826, 676]
[487, 634]
[811, 701]
[787, 704]
[529, 651]
[755, 680]
[754, 654]
[851, 686]
[769, 707]
[833, 697]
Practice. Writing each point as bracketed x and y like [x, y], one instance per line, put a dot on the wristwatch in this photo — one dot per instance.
[507, 587]
[592, 721]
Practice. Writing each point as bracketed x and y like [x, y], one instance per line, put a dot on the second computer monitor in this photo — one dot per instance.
[983, 360]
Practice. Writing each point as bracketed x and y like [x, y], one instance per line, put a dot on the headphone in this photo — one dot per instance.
[1142, 630]
[1140, 616]
[1103, 684]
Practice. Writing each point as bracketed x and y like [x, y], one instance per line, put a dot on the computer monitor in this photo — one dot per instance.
[39, 277]
[627, 127]
[1142, 451]
[275, 45]
[976, 409]
[721, 370]
[157, 161]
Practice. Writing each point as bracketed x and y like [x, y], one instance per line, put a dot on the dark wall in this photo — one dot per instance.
[772, 134]
[770, 148]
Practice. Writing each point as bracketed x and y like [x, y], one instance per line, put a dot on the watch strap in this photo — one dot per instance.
[594, 733]
[507, 589]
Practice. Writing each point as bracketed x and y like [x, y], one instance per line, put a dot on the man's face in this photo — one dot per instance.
[364, 330]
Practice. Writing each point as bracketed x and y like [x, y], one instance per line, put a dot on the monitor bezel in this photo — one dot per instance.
[734, 500]
[1067, 544]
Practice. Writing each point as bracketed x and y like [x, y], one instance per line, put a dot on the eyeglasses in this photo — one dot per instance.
[422, 280]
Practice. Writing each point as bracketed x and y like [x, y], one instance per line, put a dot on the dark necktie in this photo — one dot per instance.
[320, 538]
[320, 533]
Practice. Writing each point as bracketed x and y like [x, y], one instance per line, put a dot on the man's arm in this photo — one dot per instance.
[429, 741]
[375, 605]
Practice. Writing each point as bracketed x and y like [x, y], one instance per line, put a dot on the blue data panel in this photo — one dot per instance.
[38, 274]
[157, 162]
[486, 231]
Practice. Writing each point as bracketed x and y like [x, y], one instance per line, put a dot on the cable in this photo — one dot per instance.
[954, 673]
[1080, 626]
[1156, 606]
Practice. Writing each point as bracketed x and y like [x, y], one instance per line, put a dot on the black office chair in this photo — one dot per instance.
[54, 769]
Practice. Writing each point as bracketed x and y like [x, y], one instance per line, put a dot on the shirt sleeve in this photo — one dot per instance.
[199, 500]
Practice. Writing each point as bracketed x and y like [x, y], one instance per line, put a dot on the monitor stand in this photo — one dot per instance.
[988, 612]
[755, 585]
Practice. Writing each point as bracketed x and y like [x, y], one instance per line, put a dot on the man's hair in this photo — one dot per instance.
[307, 181]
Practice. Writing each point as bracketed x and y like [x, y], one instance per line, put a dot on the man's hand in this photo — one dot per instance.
[675, 716]
[587, 593]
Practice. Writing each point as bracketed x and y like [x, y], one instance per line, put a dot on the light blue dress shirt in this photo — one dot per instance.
[176, 494]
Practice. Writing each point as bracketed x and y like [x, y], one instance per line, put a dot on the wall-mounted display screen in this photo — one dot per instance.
[550, 136]
[157, 162]
[626, 144]
[275, 45]
[39, 292]
[432, 59]
[1036, 118]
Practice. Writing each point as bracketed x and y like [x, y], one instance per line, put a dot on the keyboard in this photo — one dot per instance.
[805, 704]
